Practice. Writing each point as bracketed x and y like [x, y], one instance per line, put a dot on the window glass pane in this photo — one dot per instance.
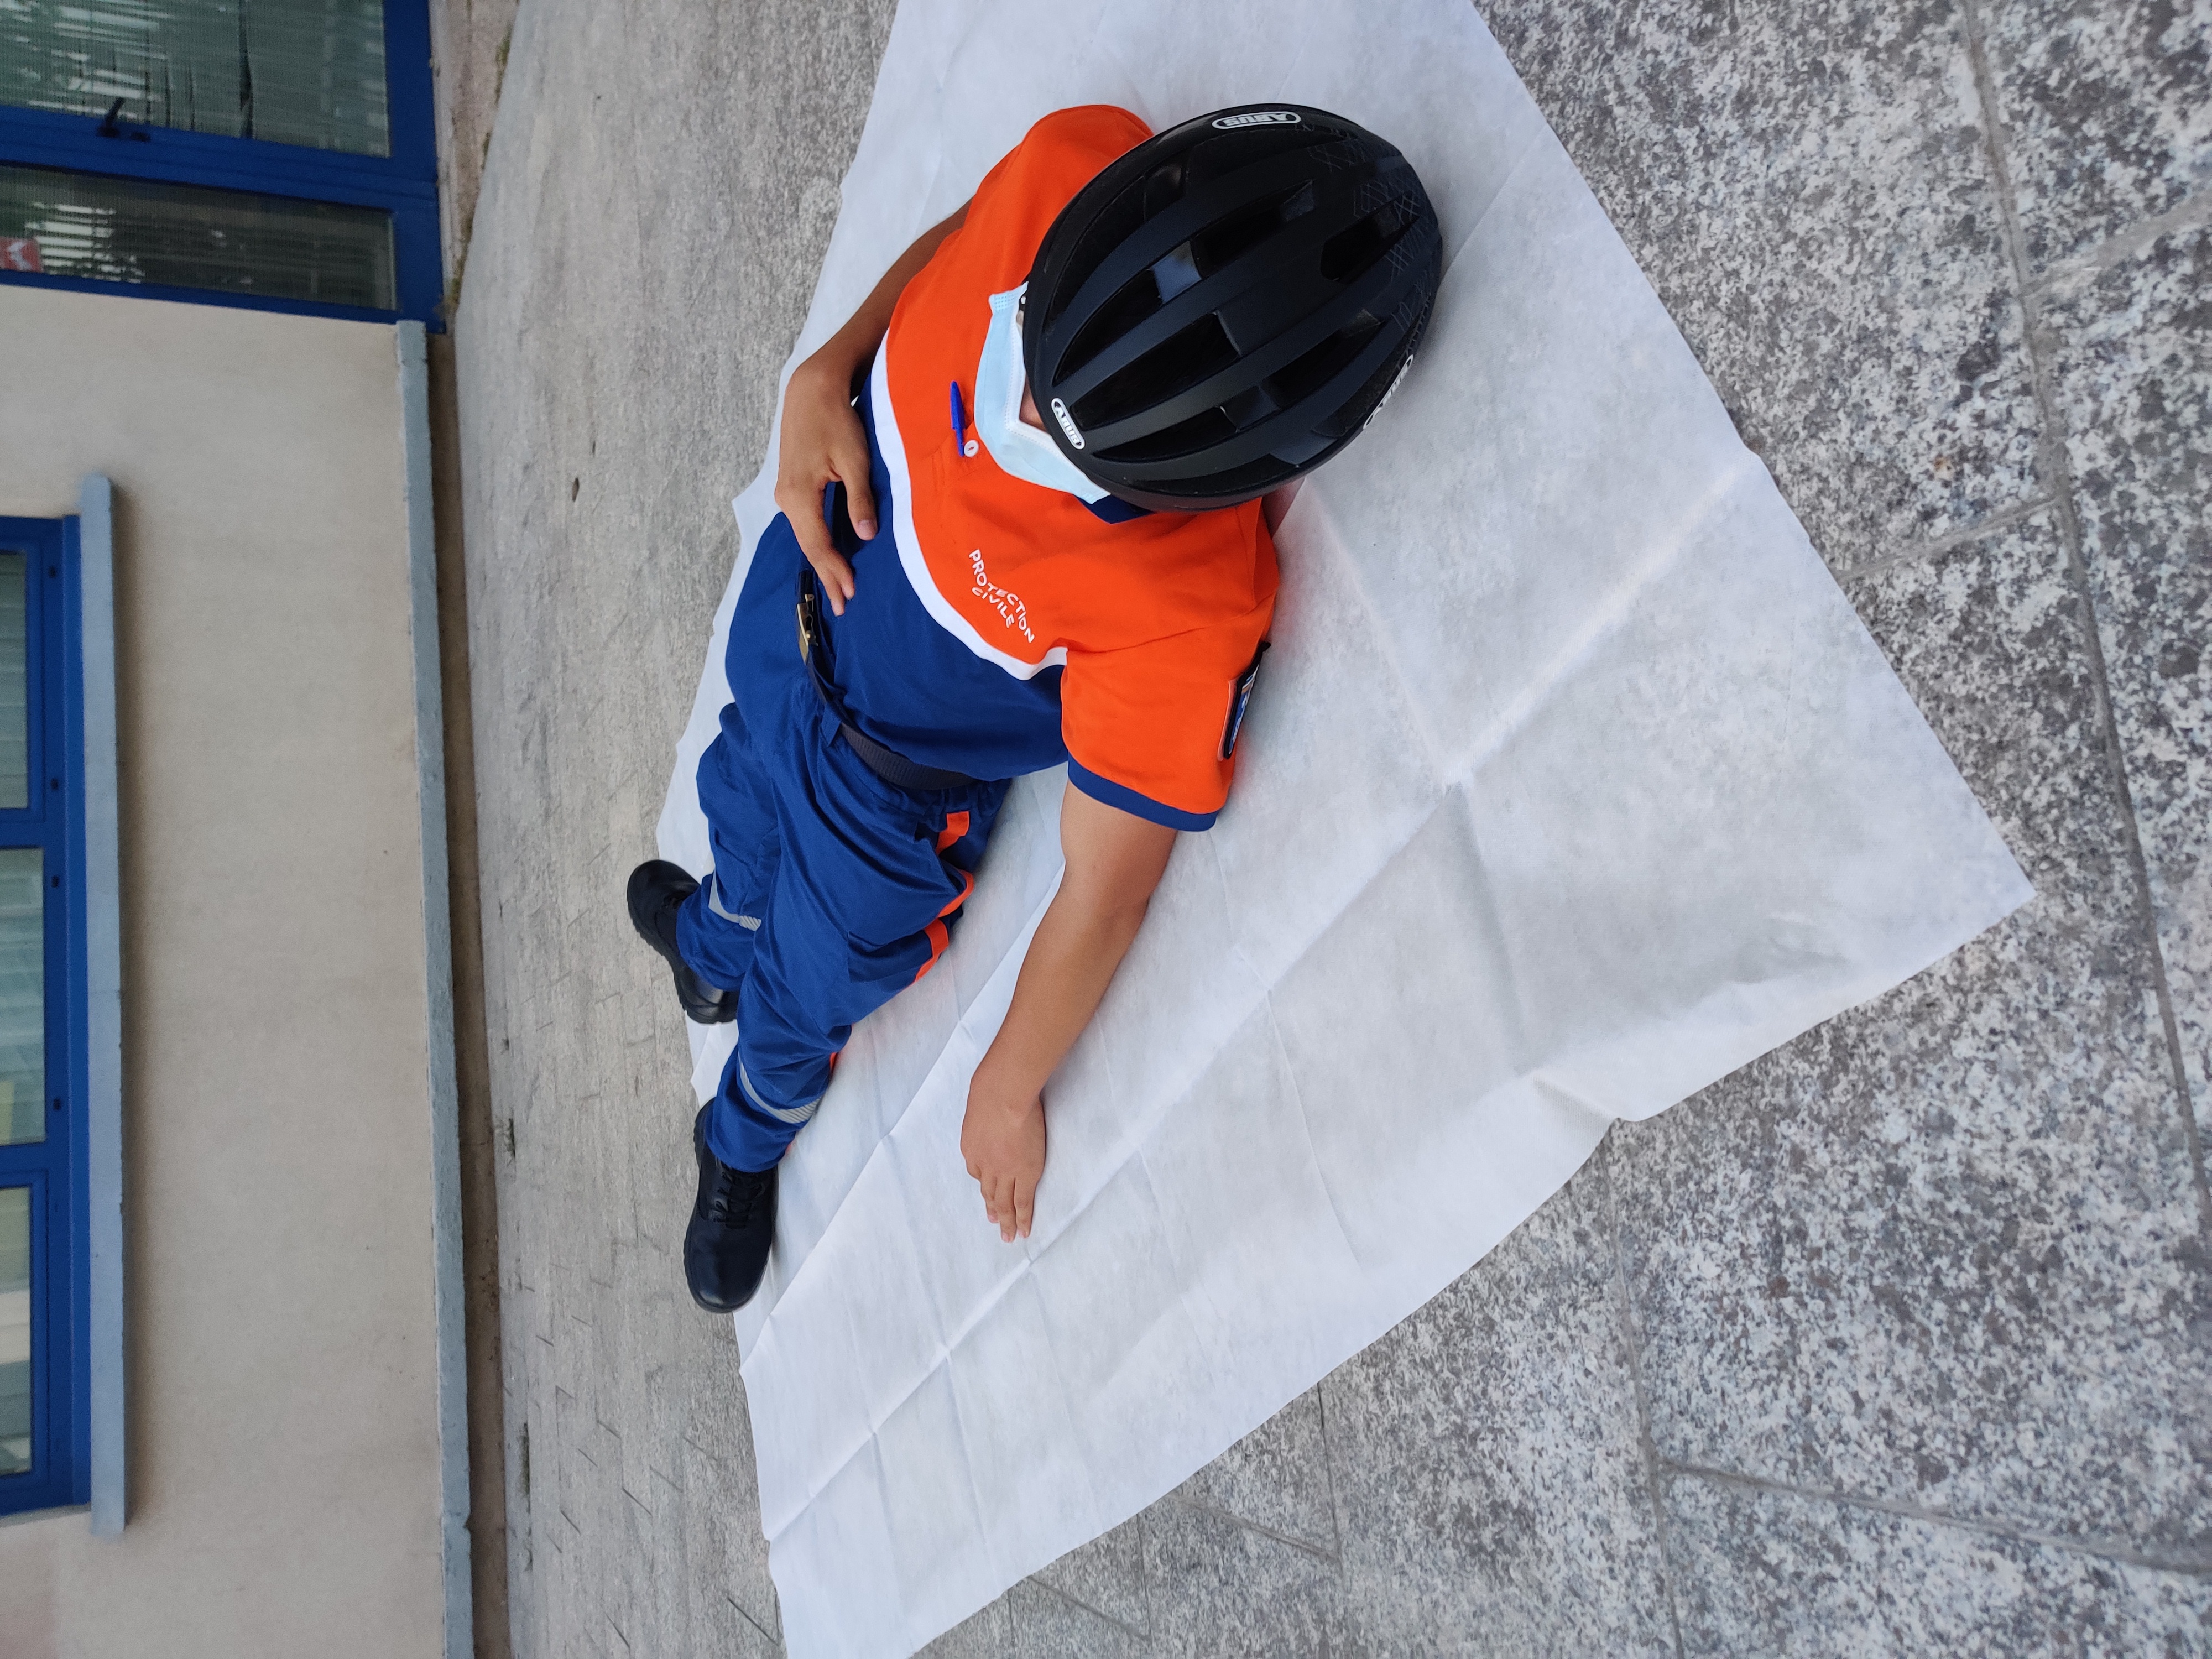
[15, 685]
[295, 71]
[22, 996]
[123, 230]
[14, 1330]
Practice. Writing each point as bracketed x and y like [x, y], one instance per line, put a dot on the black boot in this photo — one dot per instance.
[732, 1225]
[657, 891]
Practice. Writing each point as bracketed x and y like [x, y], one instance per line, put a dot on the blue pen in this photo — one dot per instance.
[960, 424]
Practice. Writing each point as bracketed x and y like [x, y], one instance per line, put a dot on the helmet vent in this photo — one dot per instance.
[1241, 232]
[1254, 404]
[1178, 362]
[1119, 220]
[1310, 373]
[1354, 413]
[1358, 246]
[1174, 273]
[1162, 188]
[1128, 305]
[1201, 431]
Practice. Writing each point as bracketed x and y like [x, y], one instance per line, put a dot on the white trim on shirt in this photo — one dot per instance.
[892, 448]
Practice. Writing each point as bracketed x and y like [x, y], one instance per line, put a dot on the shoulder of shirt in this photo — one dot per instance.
[1228, 528]
[1211, 552]
[1099, 131]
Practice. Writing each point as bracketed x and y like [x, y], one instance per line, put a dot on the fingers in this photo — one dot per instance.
[801, 503]
[986, 1186]
[830, 565]
[824, 443]
[999, 1203]
[836, 576]
[975, 1175]
[805, 512]
[1009, 1195]
[850, 455]
[1010, 1203]
[982, 1187]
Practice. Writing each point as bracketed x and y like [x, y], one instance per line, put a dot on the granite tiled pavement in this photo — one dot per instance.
[1897, 1341]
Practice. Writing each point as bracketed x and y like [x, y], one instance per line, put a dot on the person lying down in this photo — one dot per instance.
[1021, 525]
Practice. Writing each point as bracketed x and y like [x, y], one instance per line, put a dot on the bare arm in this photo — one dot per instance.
[1114, 860]
[821, 435]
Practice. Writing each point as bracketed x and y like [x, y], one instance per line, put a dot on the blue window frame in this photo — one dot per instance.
[50, 1170]
[404, 183]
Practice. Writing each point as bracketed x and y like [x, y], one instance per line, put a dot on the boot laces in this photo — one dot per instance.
[734, 1196]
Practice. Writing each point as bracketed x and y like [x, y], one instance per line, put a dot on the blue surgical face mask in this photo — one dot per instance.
[1020, 450]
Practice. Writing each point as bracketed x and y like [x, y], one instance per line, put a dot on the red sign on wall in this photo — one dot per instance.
[20, 253]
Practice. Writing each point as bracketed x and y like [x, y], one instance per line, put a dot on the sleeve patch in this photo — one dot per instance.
[1240, 699]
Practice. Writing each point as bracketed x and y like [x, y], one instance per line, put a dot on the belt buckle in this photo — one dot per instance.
[809, 609]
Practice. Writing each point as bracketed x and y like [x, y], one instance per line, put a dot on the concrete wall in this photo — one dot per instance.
[283, 1431]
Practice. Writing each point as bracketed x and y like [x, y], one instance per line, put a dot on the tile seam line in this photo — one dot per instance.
[1632, 1343]
[1052, 1589]
[2180, 1566]
[2190, 212]
[2005, 518]
[2050, 453]
[1328, 1470]
[1198, 1506]
[776, 1641]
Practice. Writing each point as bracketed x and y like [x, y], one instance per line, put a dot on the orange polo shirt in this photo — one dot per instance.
[1023, 622]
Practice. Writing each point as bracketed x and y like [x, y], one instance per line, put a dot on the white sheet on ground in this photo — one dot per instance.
[1573, 784]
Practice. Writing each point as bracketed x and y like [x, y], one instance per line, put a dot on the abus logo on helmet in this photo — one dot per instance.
[1404, 369]
[1258, 117]
[1067, 423]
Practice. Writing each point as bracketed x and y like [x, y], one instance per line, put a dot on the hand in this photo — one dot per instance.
[822, 436]
[822, 441]
[1002, 1137]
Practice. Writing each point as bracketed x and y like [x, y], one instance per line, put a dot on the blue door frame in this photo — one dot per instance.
[404, 182]
[54, 1168]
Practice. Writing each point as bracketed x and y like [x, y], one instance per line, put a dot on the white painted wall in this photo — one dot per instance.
[284, 1430]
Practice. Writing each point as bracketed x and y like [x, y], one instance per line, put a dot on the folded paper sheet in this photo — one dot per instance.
[1573, 785]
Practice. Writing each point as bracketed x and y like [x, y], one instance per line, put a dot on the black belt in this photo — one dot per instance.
[889, 764]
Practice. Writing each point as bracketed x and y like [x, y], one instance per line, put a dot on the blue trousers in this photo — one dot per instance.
[831, 891]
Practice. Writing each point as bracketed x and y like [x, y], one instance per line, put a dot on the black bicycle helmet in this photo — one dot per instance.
[1225, 307]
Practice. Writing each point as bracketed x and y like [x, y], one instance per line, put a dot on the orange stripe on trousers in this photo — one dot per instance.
[939, 937]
